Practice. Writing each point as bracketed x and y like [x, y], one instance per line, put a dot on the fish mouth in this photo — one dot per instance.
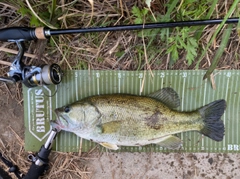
[60, 122]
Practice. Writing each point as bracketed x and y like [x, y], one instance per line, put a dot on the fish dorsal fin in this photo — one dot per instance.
[167, 96]
[170, 142]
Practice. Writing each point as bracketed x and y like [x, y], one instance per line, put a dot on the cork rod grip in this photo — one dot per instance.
[39, 32]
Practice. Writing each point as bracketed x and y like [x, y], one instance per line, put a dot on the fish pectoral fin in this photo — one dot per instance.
[167, 96]
[170, 142]
[110, 127]
[109, 146]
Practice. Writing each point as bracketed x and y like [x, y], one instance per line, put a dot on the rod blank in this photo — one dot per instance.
[142, 26]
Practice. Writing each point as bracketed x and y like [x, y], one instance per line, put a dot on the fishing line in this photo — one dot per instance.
[50, 96]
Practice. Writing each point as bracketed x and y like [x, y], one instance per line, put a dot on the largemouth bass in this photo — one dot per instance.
[129, 120]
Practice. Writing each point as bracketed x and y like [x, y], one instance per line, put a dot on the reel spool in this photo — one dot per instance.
[45, 75]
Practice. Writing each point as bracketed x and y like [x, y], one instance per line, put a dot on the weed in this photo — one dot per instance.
[33, 19]
[219, 52]
[119, 54]
[46, 12]
[81, 65]
[183, 41]
[161, 45]
[178, 40]
[140, 15]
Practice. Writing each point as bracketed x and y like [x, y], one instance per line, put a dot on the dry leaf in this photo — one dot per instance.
[148, 2]
[91, 2]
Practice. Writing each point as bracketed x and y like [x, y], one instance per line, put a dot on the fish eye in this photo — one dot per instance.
[66, 109]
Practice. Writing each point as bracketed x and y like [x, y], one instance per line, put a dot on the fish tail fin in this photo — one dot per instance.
[211, 114]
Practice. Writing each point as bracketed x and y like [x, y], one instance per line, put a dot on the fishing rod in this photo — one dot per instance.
[25, 33]
[33, 76]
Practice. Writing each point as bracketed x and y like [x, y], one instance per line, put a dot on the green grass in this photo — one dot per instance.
[164, 48]
[178, 39]
[233, 7]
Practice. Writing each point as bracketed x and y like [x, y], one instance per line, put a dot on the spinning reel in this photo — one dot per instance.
[32, 76]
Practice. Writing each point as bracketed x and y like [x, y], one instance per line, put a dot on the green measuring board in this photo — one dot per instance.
[40, 102]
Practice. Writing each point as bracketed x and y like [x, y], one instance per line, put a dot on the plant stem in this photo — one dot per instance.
[218, 54]
[53, 8]
[209, 14]
[232, 8]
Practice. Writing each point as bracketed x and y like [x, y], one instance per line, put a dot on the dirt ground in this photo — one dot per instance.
[107, 164]
[11, 113]
[171, 166]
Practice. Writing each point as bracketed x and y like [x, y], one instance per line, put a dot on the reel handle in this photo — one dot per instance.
[8, 80]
